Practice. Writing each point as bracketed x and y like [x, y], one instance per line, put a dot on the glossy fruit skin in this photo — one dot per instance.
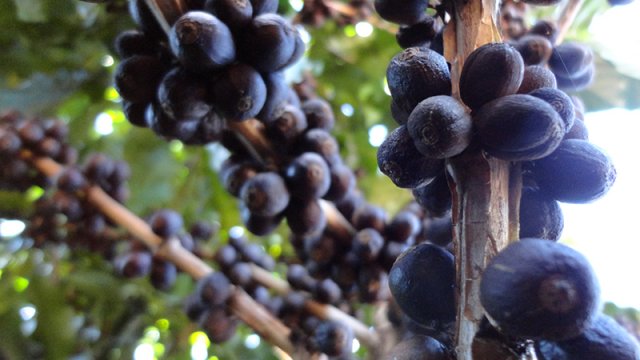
[202, 42]
[239, 92]
[416, 74]
[422, 282]
[560, 101]
[268, 43]
[399, 159]
[576, 172]
[265, 194]
[519, 127]
[182, 95]
[571, 60]
[137, 78]
[535, 49]
[440, 127]
[604, 339]
[491, 71]
[537, 288]
[418, 34]
[404, 12]
[308, 176]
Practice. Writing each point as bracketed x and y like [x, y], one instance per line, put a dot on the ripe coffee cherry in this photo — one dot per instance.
[240, 274]
[537, 288]
[182, 95]
[144, 18]
[133, 42]
[133, 264]
[416, 74]
[367, 244]
[546, 29]
[239, 92]
[218, 325]
[163, 274]
[137, 78]
[535, 49]
[264, 6]
[299, 278]
[214, 289]
[603, 339]
[399, 159]
[519, 127]
[418, 34]
[320, 141]
[343, 181]
[404, 12]
[577, 172]
[226, 256]
[166, 223]
[490, 72]
[560, 101]
[234, 13]
[236, 174]
[578, 82]
[369, 216]
[320, 248]
[257, 224]
[135, 112]
[327, 291]
[265, 194]
[333, 338]
[536, 77]
[440, 127]
[308, 176]
[418, 347]
[305, 217]
[287, 127]
[403, 226]
[319, 114]
[435, 197]
[578, 131]
[277, 97]
[438, 230]
[399, 115]
[571, 60]
[540, 216]
[268, 42]
[202, 42]
[71, 180]
[422, 282]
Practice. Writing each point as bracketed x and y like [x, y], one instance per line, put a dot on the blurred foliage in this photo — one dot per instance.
[57, 60]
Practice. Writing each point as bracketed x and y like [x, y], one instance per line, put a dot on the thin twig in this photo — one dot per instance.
[566, 18]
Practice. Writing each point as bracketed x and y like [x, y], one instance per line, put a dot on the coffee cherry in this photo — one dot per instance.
[137, 78]
[218, 325]
[535, 49]
[416, 74]
[402, 227]
[367, 244]
[268, 43]
[536, 77]
[133, 264]
[491, 71]
[540, 216]
[265, 194]
[226, 256]
[369, 216]
[240, 274]
[307, 176]
[299, 278]
[438, 230]
[182, 95]
[166, 223]
[440, 127]
[305, 217]
[258, 224]
[236, 14]
[577, 83]
[418, 34]
[603, 339]
[320, 141]
[435, 197]
[239, 92]
[214, 289]
[577, 172]
[343, 181]
[399, 159]
[519, 127]
[404, 12]
[546, 29]
[202, 42]
[560, 101]
[570, 60]
[578, 131]
[264, 6]
[320, 248]
[287, 127]
[133, 42]
[319, 114]
[539, 289]
[277, 97]
[163, 274]
[333, 338]
[422, 283]
[327, 291]
[135, 113]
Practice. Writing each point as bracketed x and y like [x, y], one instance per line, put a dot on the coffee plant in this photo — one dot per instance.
[220, 206]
